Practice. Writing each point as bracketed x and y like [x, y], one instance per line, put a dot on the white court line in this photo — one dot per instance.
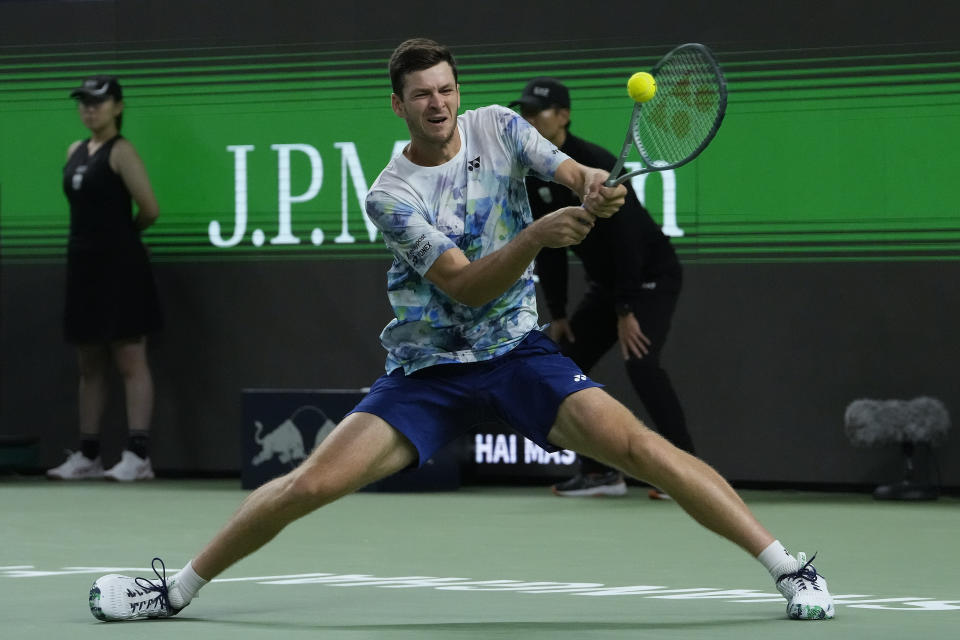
[593, 589]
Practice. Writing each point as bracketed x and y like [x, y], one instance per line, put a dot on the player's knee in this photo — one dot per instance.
[312, 487]
[645, 449]
[638, 446]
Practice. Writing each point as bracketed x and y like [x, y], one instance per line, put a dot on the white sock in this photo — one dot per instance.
[776, 559]
[187, 584]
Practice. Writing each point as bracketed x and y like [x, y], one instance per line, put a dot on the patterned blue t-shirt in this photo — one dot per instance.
[477, 202]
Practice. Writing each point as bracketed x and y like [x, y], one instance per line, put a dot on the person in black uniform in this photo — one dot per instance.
[633, 283]
[111, 298]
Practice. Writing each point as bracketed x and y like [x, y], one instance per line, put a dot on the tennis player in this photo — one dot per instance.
[453, 210]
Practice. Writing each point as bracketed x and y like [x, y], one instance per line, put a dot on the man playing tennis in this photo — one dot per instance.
[453, 210]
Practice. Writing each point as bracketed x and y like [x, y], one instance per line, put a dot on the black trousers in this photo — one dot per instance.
[594, 324]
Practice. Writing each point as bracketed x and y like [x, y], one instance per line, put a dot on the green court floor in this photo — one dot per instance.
[477, 563]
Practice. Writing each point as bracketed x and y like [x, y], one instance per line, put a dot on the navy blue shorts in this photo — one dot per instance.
[435, 405]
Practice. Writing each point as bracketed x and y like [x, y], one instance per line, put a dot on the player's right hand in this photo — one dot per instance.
[564, 227]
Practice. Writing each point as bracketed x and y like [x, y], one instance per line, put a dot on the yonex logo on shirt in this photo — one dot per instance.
[473, 164]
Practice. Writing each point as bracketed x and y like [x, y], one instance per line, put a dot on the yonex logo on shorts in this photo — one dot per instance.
[580, 378]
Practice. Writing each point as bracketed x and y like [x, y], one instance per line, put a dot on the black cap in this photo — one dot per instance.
[543, 93]
[98, 88]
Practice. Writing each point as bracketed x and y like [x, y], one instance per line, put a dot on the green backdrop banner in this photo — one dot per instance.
[267, 153]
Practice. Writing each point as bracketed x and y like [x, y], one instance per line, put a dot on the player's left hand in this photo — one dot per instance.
[633, 341]
[599, 200]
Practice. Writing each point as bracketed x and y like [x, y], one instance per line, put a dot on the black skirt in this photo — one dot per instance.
[111, 295]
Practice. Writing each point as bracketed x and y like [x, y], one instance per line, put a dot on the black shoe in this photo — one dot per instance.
[592, 484]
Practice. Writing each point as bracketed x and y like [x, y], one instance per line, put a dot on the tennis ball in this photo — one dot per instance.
[641, 86]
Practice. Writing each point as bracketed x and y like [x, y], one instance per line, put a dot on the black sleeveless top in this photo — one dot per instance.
[101, 209]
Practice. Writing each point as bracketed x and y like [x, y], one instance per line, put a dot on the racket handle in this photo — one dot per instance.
[624, 150]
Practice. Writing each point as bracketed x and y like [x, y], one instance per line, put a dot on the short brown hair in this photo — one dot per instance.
[417, 54]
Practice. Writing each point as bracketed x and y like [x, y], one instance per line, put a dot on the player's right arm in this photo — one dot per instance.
[415, 240]
[481, 281]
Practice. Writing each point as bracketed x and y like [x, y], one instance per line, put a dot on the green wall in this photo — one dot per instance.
[820, 228]
[844, 154]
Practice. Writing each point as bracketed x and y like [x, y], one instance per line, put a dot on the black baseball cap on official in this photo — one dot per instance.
[543, 93]
[98, 88]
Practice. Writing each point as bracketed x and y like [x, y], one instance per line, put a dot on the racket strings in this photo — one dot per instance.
[684, 112]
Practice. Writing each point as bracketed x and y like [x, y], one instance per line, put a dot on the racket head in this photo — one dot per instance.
[685, 113]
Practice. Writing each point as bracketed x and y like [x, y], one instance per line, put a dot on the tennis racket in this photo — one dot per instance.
[681, 119]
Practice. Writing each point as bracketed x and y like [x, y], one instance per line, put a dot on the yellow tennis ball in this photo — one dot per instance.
[641, 86]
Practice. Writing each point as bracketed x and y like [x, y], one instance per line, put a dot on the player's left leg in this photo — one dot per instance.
[592, 422]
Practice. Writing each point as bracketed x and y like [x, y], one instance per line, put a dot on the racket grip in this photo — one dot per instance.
[611, 180]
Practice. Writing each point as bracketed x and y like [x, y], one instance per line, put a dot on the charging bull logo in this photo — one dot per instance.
[286, 442]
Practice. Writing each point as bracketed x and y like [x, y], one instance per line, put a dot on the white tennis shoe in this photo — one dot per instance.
[805, 591]
[77, 467]
[130, 468]
[115, 597]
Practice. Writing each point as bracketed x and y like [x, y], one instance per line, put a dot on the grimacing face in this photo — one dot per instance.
[430, 101]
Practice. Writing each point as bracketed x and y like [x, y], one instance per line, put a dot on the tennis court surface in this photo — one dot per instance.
[477, 563]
